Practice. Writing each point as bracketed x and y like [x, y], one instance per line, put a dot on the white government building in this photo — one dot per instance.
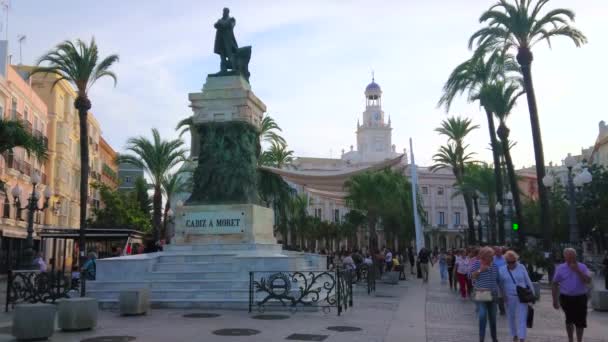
[322, 179]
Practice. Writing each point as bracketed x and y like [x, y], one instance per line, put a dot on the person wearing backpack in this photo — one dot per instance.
[511, 276]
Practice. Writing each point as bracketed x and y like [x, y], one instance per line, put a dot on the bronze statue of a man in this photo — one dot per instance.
[225, 42]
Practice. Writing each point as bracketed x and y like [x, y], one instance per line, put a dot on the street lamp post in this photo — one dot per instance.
[479, 229]
[500, 213]
[31, 207]
[574, 182]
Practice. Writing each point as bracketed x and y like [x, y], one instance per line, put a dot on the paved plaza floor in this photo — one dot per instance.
[410, 311]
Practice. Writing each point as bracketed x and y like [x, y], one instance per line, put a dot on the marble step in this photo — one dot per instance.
[187, 258]
[168, 284]
[195, 266]
[208, 304]
[181, 294]
[214, 275]
[219, 247]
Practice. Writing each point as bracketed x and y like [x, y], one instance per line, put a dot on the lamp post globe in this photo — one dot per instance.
[48, 192]
[498, 206]
[570, 161]
[548, 181]
[16, 192]
[586, 176]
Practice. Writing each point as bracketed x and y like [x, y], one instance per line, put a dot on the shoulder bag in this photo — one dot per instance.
[524, 294]
[483, 295]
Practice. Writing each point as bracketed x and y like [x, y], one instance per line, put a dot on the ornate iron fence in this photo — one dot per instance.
[301, 289]
[27, 286]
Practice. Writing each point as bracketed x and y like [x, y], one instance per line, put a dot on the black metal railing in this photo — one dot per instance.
[296, 290]
[27, 286]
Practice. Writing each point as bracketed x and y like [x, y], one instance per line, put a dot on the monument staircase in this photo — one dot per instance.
[196, 276]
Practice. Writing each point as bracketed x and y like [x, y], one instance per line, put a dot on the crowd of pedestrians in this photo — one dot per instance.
[498, 283]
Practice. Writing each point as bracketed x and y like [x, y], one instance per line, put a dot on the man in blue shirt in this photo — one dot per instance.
[500, 262]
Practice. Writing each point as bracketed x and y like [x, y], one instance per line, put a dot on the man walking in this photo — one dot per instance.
[410, 256]
[570, 292]
[424, 259]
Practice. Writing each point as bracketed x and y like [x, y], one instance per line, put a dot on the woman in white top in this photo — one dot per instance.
[461, 268]
[510, 276]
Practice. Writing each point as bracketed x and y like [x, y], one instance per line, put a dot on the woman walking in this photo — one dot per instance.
[443, 266]
[510, 276]
[451, 262]
[462, 269]
[485, 276]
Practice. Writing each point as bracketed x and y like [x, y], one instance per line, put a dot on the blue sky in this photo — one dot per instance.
[311, 62]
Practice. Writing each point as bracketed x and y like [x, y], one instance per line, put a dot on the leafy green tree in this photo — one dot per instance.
[79, 64]
[518, 25]
[501, 98]
[14, 134]
[479, 180]
[157, 157]
[591, 207]
[119, 210]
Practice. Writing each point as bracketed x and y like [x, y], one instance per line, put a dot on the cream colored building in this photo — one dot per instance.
[322, 179]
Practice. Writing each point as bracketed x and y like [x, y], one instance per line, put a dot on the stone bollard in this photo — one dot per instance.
[76, 314]
[34, 321]
[599, 300]
[390, 278]
[134, 302]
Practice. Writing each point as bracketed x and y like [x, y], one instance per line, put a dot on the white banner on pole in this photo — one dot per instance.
[414, 180]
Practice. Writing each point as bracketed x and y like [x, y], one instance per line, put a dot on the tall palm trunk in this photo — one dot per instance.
[373, 235]
[476, 204]
[165, 222]
[524, 58]
[492, 228]
[498, 177]
[157, 203]
[468, 203]
[503, 133]
[83, 104]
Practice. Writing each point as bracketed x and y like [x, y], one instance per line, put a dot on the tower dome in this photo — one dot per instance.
[373, 89]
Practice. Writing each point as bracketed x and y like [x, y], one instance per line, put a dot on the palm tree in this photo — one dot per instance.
[519, 25]
[456, 129]
[277, 155]
[157, 157]
[185, 125]
[451, 157]
[268, 131]
[174, 183]
[501, 97]
[472, 76]
[80, 65]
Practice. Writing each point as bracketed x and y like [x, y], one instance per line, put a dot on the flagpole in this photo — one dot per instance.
[414, 180]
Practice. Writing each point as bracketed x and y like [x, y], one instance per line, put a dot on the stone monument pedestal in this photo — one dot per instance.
[216, 244]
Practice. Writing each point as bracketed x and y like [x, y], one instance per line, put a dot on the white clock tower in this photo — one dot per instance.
[374, 135]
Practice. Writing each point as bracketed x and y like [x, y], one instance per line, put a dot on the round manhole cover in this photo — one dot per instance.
[236, 332]
[342, 328]
[270, 317]
[201, 315]
[109, 339]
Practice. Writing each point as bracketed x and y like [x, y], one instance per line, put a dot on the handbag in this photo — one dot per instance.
[524, 294]
[483, 295]
[530, 319]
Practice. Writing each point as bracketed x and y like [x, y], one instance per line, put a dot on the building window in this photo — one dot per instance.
[337, 215]
[441, 218]
[440, 190]
[6, 212]
[457, 218]
[425, 190]
[128, 179]
[318, 213]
